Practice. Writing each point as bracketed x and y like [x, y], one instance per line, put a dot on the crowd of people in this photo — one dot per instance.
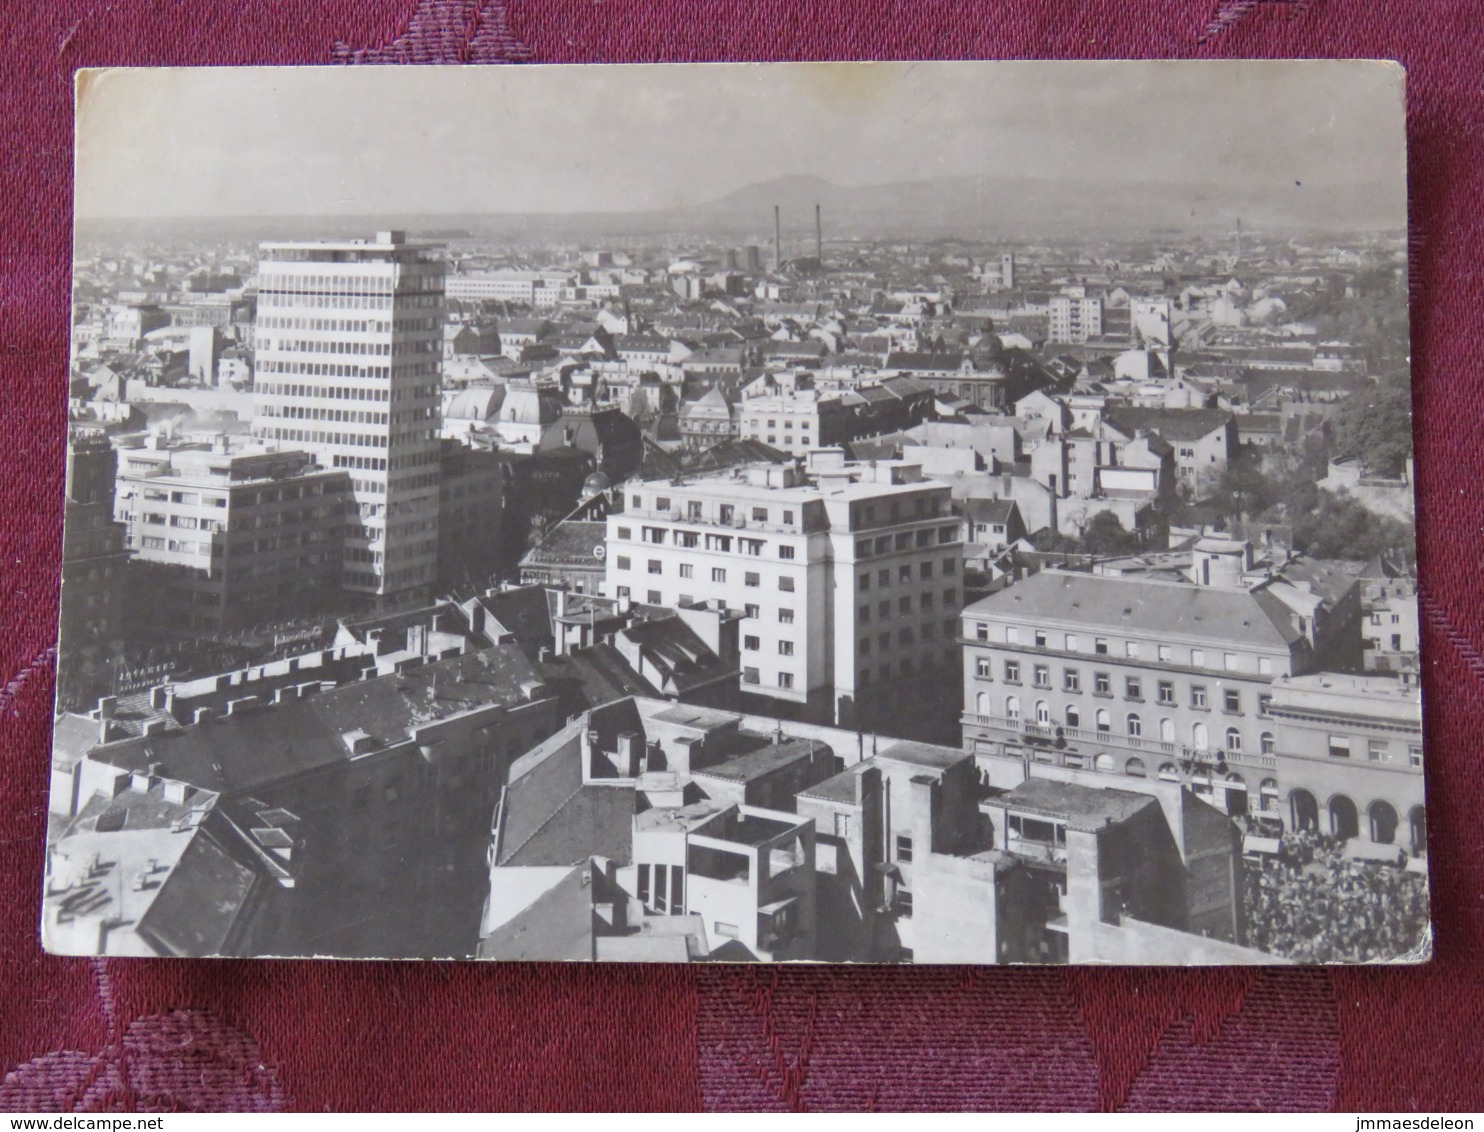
[1311, 903]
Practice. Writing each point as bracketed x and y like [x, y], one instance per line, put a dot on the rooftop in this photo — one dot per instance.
[1146, 605]
[1083, 807]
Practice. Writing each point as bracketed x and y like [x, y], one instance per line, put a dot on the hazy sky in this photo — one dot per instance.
[367, 140]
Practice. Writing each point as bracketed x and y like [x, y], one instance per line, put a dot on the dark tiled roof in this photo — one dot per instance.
[201, 901]
[1172, 424]
[1136, 604]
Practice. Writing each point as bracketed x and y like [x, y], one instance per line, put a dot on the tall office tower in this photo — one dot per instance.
[349, 339]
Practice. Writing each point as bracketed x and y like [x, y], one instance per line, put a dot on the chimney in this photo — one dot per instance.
[175, 792]
[202, 714]
[107, 706]
[630, 753]
[777, 240]
[154, 726]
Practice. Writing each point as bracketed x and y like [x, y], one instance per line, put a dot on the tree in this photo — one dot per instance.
[1243, 490]
[1105, 535]
[1376, 428]
[1338, 526]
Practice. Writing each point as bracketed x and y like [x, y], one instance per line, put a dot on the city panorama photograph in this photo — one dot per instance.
[853, 513]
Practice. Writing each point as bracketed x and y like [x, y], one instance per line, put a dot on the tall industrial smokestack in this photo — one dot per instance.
[818, 235]
[777, 240]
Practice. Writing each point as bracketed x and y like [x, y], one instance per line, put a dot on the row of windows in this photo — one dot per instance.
[1133, 725]
[904, 574]
[906, 637]
[347, 325]
[726, 513]
[344, 369]
[752, 547]
[1133, 650]
[318, 392]
[754, 676]
[904, 540]
[753, 644]
[907, 667]
[718, 574]
[1102, 685]
[315, 413]
[925, 604]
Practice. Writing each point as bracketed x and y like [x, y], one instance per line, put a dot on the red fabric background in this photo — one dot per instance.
[215, 1035]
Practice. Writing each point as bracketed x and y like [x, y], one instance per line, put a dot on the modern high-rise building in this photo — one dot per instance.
[349, 341]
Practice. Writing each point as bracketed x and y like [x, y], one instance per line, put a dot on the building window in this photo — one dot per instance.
[1043, 712]
[718, 574]
[1104, 720]
[1231, 700]
[1131, 650]
[865, 582]
[1263, 700]
[1102, 684]
[904, 606]
[785, 680]
[1198, 658]
[925, 570]
[687, 570]
[1233, 740]
[623, 562]
[785, 616]
[785, 552]
[1100, 646]
[1198, 695]
[1268, 743]
[751, 644]
[655, 567]
[1133, 688]
[983, 668]
[1040, 639]
[1264, 666]
[1012, 672]
[865, 612]
[1071, 680]
[904, 848]
[750, 676]
[654, 597]
[1229, 661]
[1414, 755]
[751, 579]
[883, 577]
[883, 611]
[1378, 750]
[785, 648]
[1012, 635]
[1164, 652]
[1042, 676]
[623, 532]
[753, 611]
[981, 631]
[1012, 707]
[786, 585]
[1135, 726]
[1166, 692]
[1339, 746]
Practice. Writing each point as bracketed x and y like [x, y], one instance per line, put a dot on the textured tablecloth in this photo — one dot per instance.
[229, 1035]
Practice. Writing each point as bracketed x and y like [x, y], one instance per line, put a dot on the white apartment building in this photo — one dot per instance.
[534, 288]
[1074, 317]
[349, 344]
[849, 575]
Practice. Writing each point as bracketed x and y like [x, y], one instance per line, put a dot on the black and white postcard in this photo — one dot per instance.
[860, 513]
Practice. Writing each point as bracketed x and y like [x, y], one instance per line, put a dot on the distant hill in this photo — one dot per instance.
[969, 205]
[1009, 207]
